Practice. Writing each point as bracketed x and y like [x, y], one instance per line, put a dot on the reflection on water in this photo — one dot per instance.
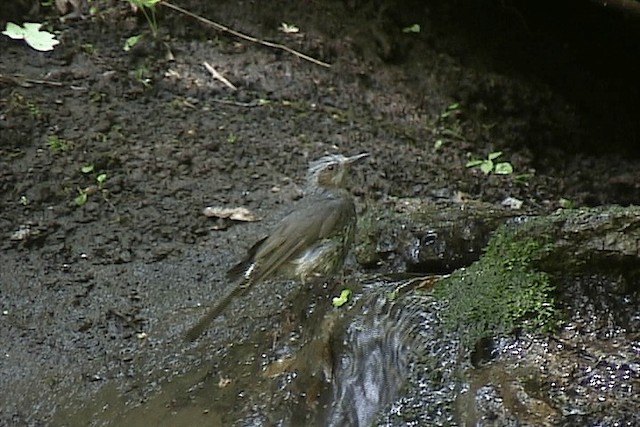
[313, 365]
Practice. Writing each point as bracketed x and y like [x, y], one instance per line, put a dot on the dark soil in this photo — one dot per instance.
[96, 296]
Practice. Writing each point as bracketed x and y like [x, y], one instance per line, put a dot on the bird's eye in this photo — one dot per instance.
[331, 167]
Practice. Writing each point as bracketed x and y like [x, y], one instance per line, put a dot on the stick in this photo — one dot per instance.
[219, 76]
[242, 36]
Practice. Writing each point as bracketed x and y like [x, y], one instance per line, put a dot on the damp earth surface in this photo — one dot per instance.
[108, 158]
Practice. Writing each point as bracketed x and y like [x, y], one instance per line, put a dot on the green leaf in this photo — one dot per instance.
[503, 168]
[14, 31]
[144, 3]
[131, 42]
[494, 155]
[473, 163]
[30, 32]
[342, 299]
[81, 199]
[87, 169]
[486, 167]
[566, 203]
[415, 28]
[101, 179]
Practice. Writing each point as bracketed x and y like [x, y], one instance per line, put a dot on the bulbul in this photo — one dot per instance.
[312, 241]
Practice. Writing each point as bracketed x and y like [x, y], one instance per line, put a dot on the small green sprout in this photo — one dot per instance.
[344, 297]
[87, 168]
[415, 28]
[451, 109]
[56, 144]
[142, 75]
[81, 198]
[101, 179]
[566, 203]
[131, 42]
[488, 165]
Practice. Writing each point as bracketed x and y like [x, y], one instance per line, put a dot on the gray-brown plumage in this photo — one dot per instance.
[312, 241]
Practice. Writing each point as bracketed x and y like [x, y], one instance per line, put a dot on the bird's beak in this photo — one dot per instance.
[353, 159]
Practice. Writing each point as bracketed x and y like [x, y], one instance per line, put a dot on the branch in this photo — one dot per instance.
[242, 36]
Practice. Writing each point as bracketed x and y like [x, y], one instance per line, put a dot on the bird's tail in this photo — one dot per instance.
[236, 290]
[241, 268]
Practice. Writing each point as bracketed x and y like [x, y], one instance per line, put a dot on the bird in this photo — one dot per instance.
[311, 241]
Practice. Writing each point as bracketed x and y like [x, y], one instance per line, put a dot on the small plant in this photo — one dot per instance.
[415, 28]
[451, 110]
[84, 193]
[566, 203]
[148, 8]
[30, 33]
[488, 165]
[142, 75]
[87, 168]
[232, 138]
[131, 42]
[82, 197]
[101, 179]
[57, 144]
[447, 125]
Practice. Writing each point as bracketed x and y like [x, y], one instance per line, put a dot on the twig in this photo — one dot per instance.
[27, 82]
[242, 36]
[219, 76]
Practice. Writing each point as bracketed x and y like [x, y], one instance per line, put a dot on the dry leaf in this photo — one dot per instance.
[235, 214]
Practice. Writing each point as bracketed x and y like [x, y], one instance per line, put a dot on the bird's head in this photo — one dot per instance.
[330, 171]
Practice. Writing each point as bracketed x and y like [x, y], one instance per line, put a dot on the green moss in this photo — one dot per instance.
[501, 292]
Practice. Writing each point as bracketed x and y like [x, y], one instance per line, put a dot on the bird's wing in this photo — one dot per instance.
[298, 231]
[240, 268]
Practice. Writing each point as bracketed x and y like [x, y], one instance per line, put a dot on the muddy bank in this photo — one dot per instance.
[95, 296]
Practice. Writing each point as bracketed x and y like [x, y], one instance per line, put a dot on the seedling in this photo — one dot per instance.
[451, 109]
[30, 33]
[415, 28]
[57, 144]
[84, 193]
[566, 203]
[87, 168]
[148, 8]
[82, 197]
[488, 165]
[141, 75]
[232, 138]
[131, 42]
[101, 179]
